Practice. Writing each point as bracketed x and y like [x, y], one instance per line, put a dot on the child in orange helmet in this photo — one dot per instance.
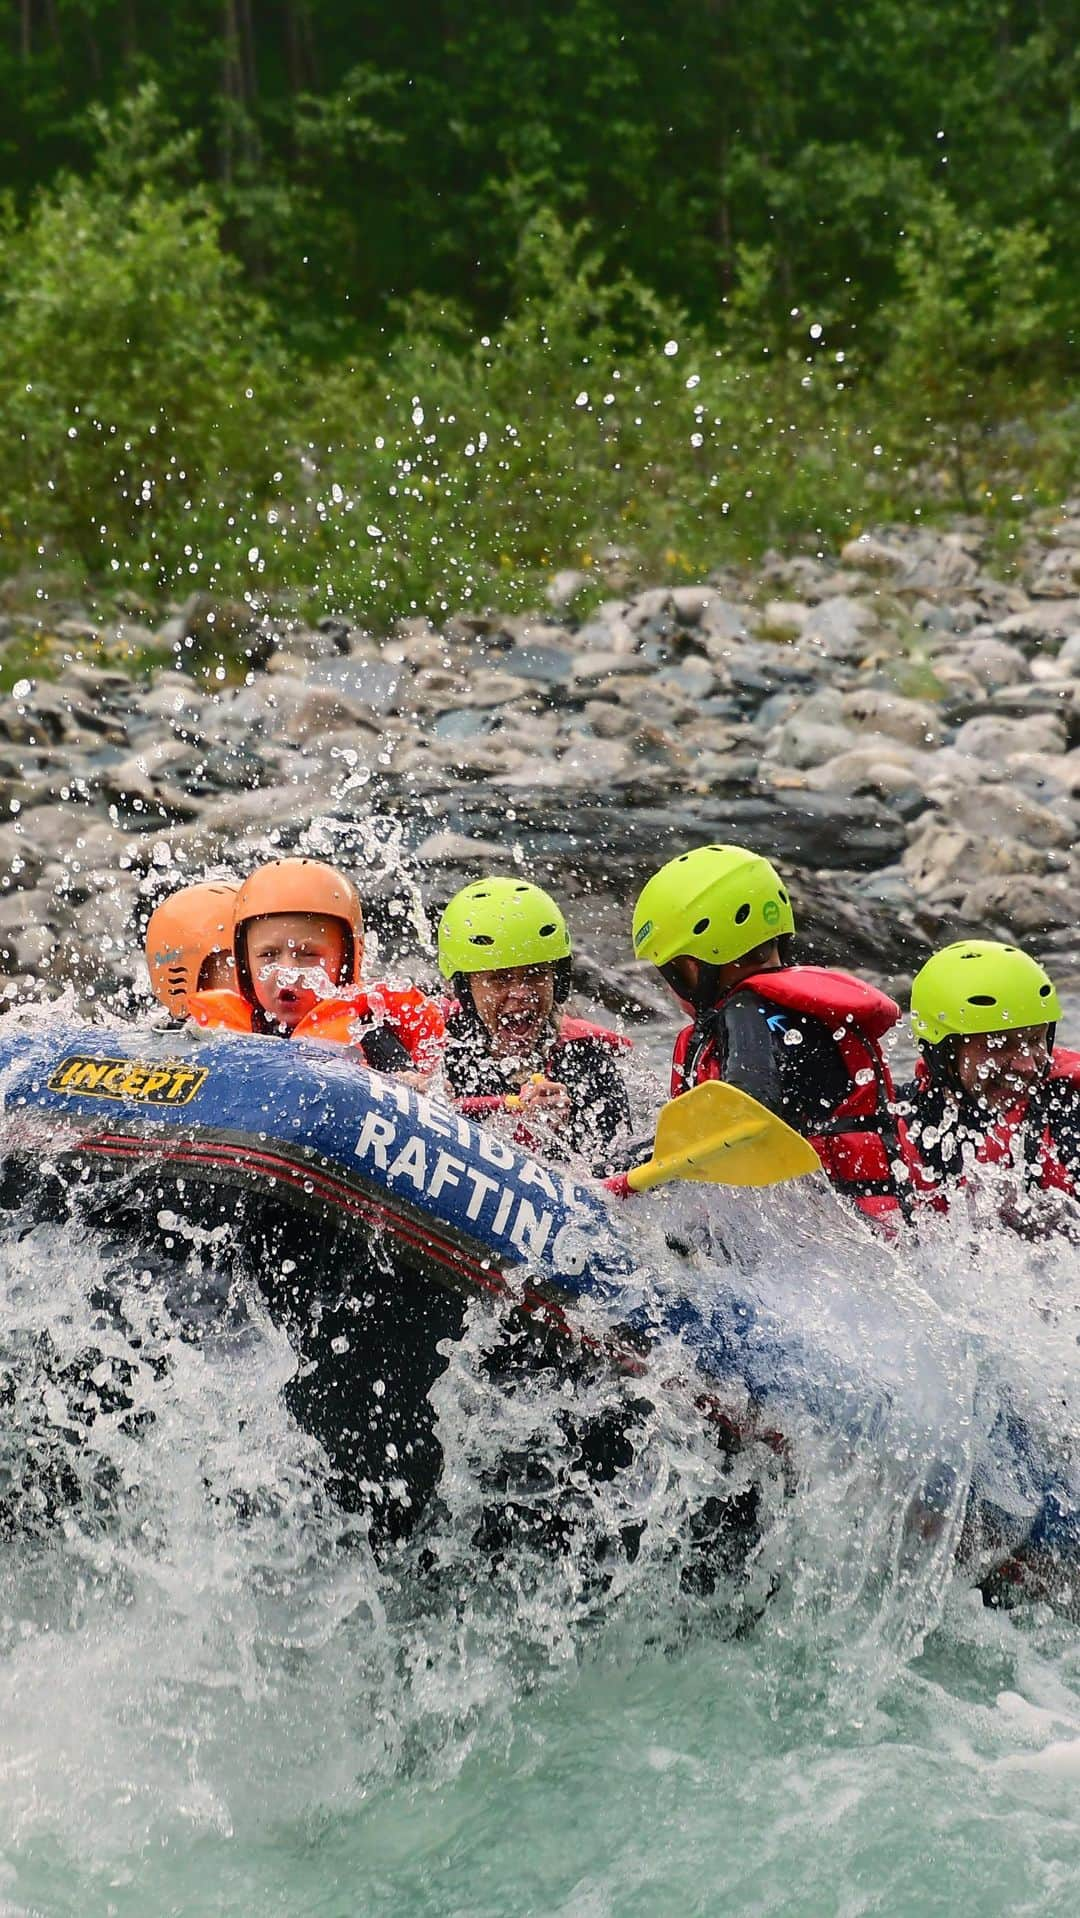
[298, 946]
[189, 943]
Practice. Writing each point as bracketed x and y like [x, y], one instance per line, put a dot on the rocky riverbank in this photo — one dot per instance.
[897, 724]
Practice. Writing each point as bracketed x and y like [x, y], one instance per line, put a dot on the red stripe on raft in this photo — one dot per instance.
[306, 1179]
[324, 1185]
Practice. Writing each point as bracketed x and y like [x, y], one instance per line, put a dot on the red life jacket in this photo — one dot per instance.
[998, 1145]
[861, 1137]
[571, 1028]
[410, 1015]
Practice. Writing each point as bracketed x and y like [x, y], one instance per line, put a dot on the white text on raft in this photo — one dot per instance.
[407, 1157]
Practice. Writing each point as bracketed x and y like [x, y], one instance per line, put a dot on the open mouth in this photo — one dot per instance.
[519, 1025]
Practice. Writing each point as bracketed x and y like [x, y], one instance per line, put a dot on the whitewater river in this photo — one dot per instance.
[213, 1700]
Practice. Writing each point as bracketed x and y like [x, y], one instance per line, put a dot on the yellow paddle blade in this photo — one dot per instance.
[717, 1135]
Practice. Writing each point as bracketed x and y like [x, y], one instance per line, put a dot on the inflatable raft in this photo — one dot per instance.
[371, 1215]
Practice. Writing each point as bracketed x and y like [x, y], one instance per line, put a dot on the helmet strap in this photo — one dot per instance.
[940, 1063]
[708, 989]
[461, 987]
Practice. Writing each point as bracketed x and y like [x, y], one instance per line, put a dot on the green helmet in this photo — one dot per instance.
[978, 985]
[716, 904]
[501, 922]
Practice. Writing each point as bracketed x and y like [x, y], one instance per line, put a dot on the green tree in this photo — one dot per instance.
[135, 371]
[967, 327]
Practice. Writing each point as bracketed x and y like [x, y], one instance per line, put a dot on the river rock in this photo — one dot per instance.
[598, 669]
[1022, 907]
[996, 739]
[209, 628]
[989, 661]
[878, 764]
[1059, 575]
[813, 730]
[914, 721]
[873, 553]
[783, 619]
[1003, 812]
[27, 947]
[1046, 624]
[840, 628]
[942, 563]
[941, 860]
[47, 714]
[1047, 776]
[295, 710]
[918, 559]
[565, 586]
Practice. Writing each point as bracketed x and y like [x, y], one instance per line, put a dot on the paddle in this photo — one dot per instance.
[717, 1135]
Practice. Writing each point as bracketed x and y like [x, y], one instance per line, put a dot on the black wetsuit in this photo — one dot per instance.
[943, 1120]
[585, 1065]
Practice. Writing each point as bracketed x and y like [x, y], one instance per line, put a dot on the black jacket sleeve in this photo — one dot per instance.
[1061, 1104]
[383, 1051]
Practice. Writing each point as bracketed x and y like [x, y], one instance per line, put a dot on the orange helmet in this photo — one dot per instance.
[299, 885]
[182, 934]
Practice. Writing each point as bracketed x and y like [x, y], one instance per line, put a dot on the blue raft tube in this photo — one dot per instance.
[372, 1215]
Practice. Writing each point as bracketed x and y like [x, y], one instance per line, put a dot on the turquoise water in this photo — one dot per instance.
[212, 1700]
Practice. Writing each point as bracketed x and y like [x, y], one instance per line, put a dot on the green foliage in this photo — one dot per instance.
[462, 472]
[967, 328]
[168, 424]
[136, 374]
[363, 154]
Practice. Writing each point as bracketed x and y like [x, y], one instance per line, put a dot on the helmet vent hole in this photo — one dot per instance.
[702, 926]
[783, 896]
[981, 999]
[1045, 991]
[546, 931]
[743, 914]
[481, 939]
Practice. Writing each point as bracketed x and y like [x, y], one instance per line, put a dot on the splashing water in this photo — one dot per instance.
[213, 1696]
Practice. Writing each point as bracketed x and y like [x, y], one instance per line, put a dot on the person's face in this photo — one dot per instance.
[514, 1005]
[217, 972]
[998, 1068]
[296, 959]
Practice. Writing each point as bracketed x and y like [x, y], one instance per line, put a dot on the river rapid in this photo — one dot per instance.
[213, 1698]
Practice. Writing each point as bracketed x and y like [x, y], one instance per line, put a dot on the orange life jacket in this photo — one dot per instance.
[413, 1018]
